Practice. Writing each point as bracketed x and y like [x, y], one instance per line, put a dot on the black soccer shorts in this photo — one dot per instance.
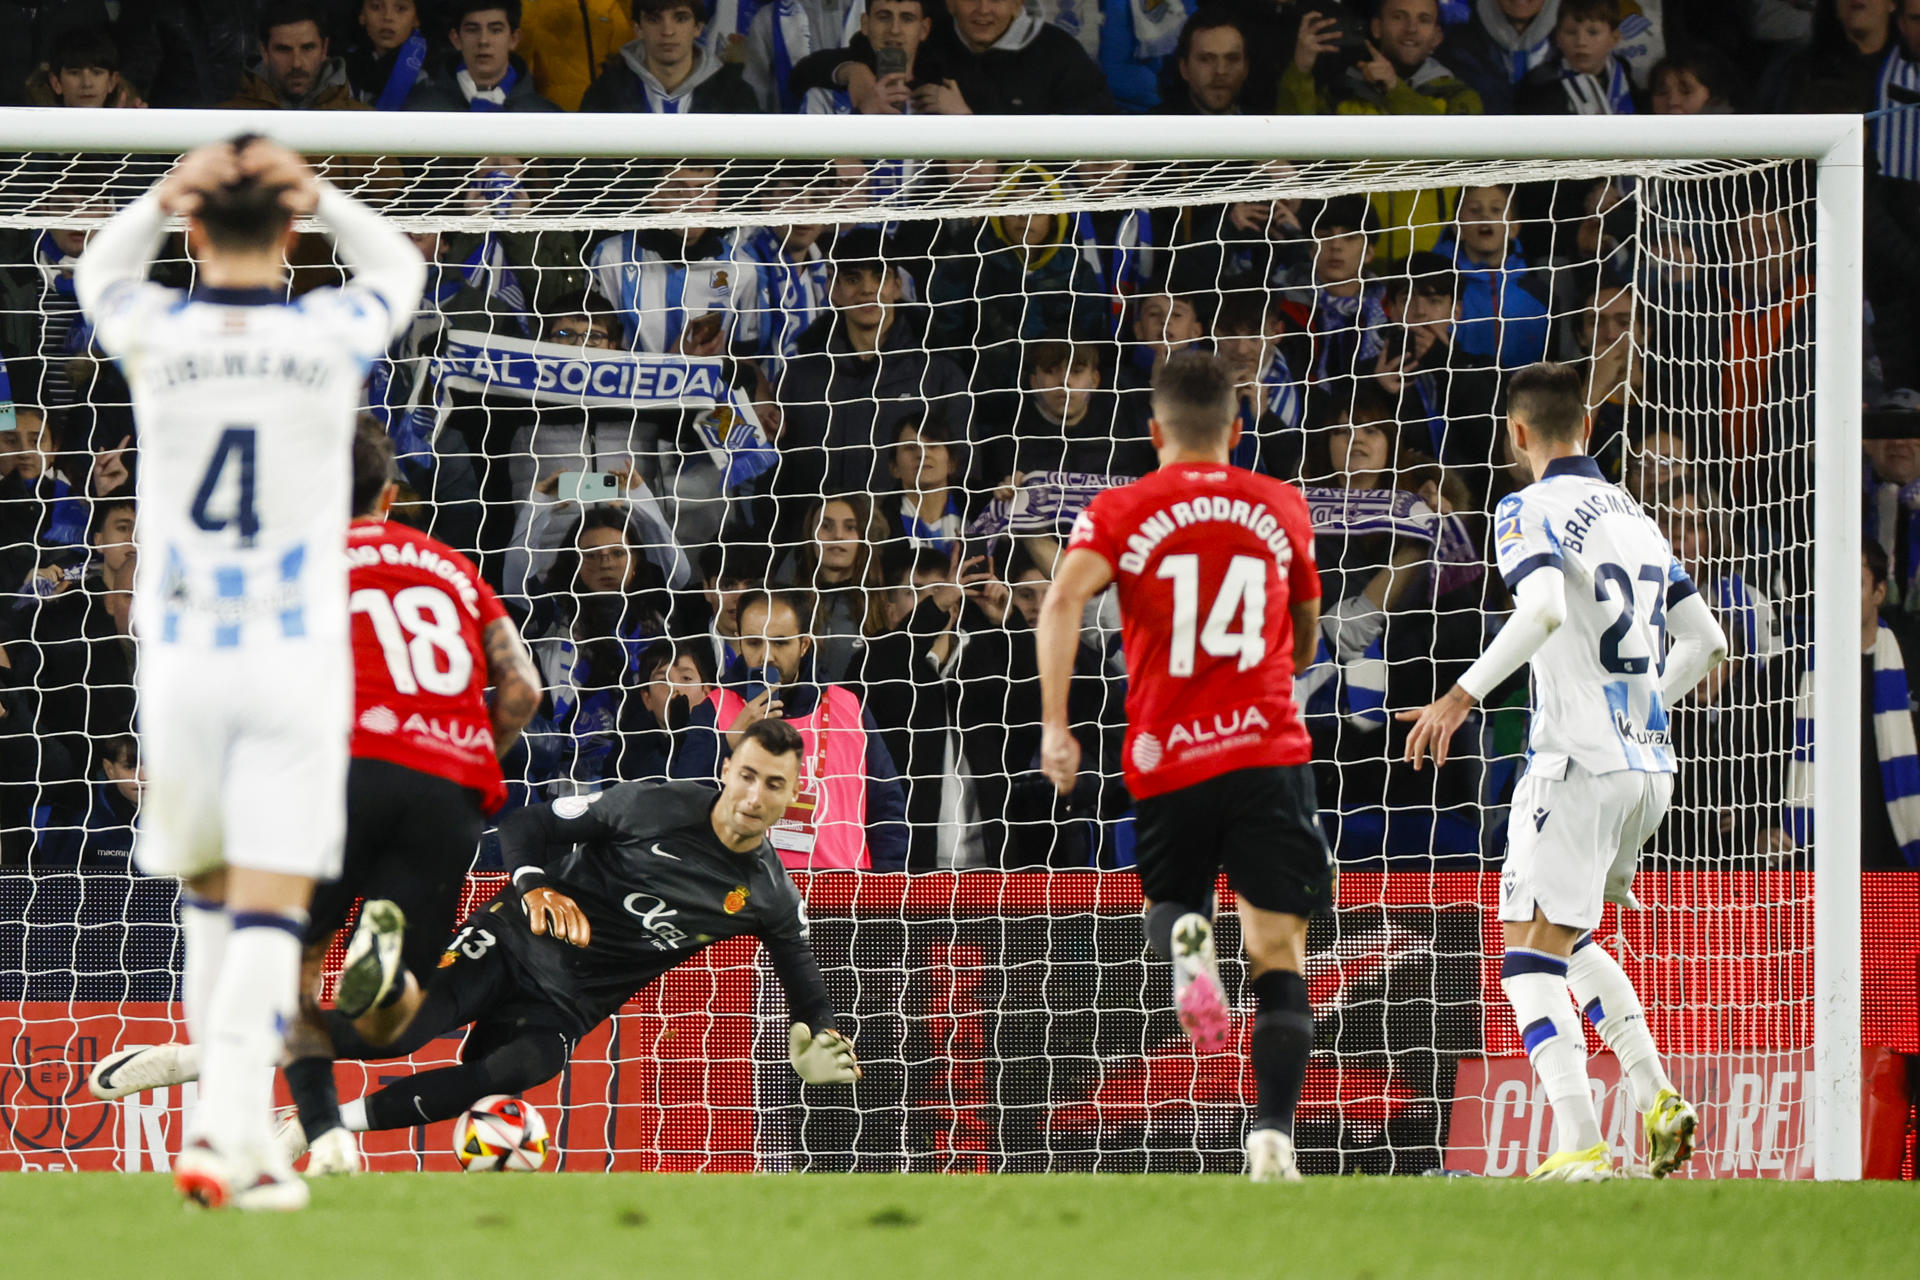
[1260, 825]
[411, 838]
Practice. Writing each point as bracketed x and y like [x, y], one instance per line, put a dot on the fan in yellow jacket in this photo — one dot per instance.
[566, 42]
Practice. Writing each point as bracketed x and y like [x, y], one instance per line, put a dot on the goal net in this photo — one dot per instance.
[639, 389]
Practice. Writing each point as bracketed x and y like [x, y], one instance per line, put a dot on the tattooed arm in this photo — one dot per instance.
[516, 686]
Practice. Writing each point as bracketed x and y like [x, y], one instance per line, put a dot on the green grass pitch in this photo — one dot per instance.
[909, 1228]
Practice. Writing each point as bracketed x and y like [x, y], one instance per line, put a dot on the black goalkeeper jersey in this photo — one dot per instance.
[657, 887]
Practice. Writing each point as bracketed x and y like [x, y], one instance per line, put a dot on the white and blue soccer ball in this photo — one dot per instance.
[501, 1134]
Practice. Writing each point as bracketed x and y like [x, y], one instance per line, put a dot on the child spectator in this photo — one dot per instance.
[486, 74]
[1345, 318]
[1691, 83]
[100, 838]
[1443, 396]
[1584, 76]
[928, 512]
[1252, 333]
[794, 282]
[1501, 319]
[82, 70]
[665, 69]
[391, 57]
[1065, 423]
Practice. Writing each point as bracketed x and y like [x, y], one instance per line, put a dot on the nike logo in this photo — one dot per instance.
[663, 853]
[1539, 819]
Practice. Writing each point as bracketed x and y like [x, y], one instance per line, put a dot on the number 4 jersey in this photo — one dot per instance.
[1208, 560]
[420, 612]
[1596, 679]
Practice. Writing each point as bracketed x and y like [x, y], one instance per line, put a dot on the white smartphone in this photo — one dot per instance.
[589, 486]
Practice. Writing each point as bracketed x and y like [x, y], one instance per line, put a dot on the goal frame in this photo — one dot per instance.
[1834, 144]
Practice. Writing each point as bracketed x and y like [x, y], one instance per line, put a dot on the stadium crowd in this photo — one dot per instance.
[856, 530]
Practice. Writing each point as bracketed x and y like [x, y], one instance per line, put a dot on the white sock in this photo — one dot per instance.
[353, 1116]
[1604, 993]
[204, 929]
[253, 1003]
[1536, 986]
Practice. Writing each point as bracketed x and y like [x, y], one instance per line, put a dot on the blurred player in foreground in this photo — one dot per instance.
[245, 406]
[1597, 592]
[1219, 605]
[609, 891]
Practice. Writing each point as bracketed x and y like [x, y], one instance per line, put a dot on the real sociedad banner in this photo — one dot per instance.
[549, 373]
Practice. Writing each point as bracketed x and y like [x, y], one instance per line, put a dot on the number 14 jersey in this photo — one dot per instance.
[420, 612]
[1208, 560]
[1596, 679]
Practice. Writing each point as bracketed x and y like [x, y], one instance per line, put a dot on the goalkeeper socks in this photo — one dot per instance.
[513, 1067]
[310, 1081]
[1536, 986]
[1282, 1042]
[1605, 994]
[253, 1004]
[204, 929]
[1160, 920]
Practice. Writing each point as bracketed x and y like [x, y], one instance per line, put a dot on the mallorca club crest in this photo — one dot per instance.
[736, 901]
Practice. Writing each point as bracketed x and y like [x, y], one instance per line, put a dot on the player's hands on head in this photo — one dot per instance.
[1434, 726]
[557, 916]
[278, 166]
[1060, 757]
[199, 171]
[827, 1058]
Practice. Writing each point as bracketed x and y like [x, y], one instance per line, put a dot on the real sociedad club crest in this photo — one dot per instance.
[43, 1094]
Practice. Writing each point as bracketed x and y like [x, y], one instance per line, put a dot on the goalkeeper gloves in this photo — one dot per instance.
[826, 1058]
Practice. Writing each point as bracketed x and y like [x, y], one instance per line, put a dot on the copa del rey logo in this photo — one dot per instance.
[384, 720]
[1207, 733]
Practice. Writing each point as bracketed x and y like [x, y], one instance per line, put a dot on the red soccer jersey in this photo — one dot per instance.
[1208, 559]
[419, 663]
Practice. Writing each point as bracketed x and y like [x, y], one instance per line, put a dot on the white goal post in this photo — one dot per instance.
[1379, 153]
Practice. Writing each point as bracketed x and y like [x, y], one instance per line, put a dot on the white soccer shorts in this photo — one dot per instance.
[245, 752]
[1573, 843]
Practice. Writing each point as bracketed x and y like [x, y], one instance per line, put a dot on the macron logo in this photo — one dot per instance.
[1539, 819]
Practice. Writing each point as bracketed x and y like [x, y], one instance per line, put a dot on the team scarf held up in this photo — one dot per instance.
[1893, 741]
[548, 373]
[1359, 513]
[1045, 502]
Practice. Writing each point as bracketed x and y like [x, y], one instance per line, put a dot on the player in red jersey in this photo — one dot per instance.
[1219, 604]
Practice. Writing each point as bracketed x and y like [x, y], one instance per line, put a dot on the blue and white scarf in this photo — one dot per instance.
[792, 294]
[1045, 502]
[792, 41]
[1886, 503]
[1354, 690]
[1588, 97]
[1359, 513]
[1893, 742]
[941, 535]
[408, 62]
[549, 373]
[1346, 333]
[1896, 135]
[1123, 268]
[494, 99]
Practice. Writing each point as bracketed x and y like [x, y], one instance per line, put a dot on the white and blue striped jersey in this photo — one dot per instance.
[1596, 679]
[1896, 135]
[245, 407]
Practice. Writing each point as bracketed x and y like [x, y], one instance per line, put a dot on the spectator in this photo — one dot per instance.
[849, 810]
[1690, 83]
[1344, 317]
[1135, 40]
[1505, 40]
[707, 270]
[780, 36]
[100, 837]
[43, 522]
[1252, 333]
[295, 71]
[1444, 396]
[185, 53]
[602, 604]
[1840, 68]
[1585, 75]
[860, 370]
[1895, 139]
[1609, 347]
[1066, 423]
[1889, 758]
[1163, 324]
[999, 60]
[486, 74]
[1399, 77]
[1501, 319]
[928, 510]
[674, 679]
[838, 566]
[794, 281]
[1662, 467]
[665, 70]
[390, 58]
[1210, 63]
[1893, 495]
[566, 42]
[728, 571]
[1766, 352]
[82, 70]
[887, 27]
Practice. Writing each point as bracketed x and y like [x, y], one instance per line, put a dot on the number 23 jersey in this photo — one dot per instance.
[1208, 560]
[1596, 679]
[420, 612]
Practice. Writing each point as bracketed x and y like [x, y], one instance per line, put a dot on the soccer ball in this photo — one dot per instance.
[500, 1134]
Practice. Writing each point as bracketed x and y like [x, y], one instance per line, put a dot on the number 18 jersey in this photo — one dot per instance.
[1596, 679]
[1208, 560]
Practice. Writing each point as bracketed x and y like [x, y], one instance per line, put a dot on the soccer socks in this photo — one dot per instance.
[252, 1003]
[1604, 993]
[204, 929]
[317, 1098]
[514, 1067]
[1536, 986]
[1282, 1042]
[1160, 920]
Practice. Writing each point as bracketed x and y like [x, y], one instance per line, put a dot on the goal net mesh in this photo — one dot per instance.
[638, 388]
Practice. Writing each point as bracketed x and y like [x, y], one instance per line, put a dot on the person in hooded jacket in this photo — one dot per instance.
[666, 70]
[296, 71]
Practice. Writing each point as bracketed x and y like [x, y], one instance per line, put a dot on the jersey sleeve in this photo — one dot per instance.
[1679, 584]
[1303, 575]
[783, 932]
[1522, 542]
[356, 317]
[1092, 531]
